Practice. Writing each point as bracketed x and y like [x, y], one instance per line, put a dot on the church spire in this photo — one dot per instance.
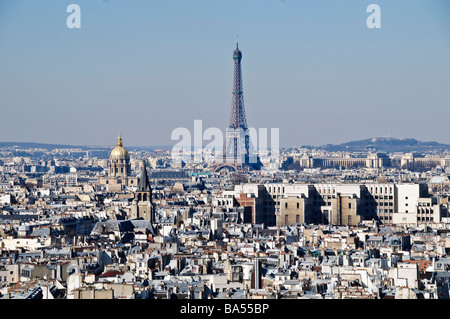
[144, 184]
[119, 140]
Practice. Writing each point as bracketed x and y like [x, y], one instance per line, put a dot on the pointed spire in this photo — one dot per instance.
[119, 139]
[143, 185]
[237, 42]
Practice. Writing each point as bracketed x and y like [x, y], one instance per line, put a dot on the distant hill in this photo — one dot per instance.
[82, 147]
[385, 144]
[41, 145]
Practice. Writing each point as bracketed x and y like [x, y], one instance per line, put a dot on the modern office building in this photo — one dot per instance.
[335, 204]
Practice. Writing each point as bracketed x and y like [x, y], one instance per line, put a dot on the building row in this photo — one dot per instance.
[337, 204]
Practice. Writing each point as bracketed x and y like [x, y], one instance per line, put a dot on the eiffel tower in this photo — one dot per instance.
[238, 152]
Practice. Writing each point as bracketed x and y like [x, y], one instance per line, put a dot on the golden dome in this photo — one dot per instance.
[119, 151]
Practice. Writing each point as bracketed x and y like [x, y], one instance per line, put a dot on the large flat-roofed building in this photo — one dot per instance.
[373, 160]
[417, 161]
[253, 196]
[166, 175]
[336, 204]
[410, 161]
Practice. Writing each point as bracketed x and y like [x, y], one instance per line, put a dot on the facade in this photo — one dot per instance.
[253, 196]
[119, 161]
[336, 204]
[410, 161]
[119, 169]
[417, 161]
[142, 205]
[374, 160]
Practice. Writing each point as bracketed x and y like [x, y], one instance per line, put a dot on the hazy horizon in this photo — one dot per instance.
[193, 146]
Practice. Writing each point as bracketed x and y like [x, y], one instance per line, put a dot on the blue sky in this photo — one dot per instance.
[313, 69]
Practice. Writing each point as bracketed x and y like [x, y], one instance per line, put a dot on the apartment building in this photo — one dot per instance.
[337, 204]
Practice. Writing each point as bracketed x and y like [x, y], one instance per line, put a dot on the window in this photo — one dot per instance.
[298, 205]
[349, 205]
[285, 205]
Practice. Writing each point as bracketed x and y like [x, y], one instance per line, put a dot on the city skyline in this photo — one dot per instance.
[313, 70]
[131, 168]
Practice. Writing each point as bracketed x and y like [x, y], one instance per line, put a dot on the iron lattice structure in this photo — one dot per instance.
[238, 151]
[237, 118]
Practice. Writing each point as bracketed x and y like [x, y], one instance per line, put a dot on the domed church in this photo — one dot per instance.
[119, 160]
[119, 169]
